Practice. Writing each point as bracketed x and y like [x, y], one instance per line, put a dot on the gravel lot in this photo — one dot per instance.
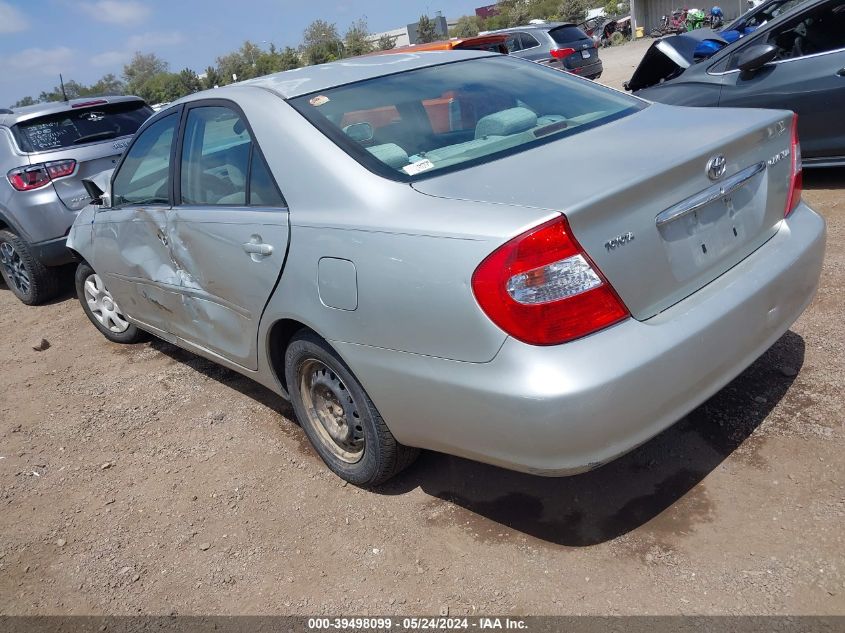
[145, 480]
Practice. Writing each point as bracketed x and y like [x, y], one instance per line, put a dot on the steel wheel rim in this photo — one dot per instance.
[331, 410]
[103, 306]
[14, 268]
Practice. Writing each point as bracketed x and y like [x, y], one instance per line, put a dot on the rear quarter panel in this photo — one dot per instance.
[414, 255]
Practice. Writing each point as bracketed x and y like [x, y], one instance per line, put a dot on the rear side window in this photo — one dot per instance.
[79, 126]
[528, 41]
[144, 175]
[221, 165]
[566, 34]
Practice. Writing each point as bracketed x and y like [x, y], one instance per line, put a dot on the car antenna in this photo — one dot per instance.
[62, 83]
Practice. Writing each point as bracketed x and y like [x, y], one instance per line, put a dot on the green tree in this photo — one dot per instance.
[73, 90]
[573, 10]
[107, 85]
[467, 26]
[386, 43]
[141, 69]
[189, 82]
[26, 101]
[611, 8]
[321, 43]
[240, 64]
[425, 30]
[274, 61]
[356, 41]
[212, 78]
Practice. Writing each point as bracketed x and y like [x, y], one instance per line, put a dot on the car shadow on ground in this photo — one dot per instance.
[601, 505]
[827, 178]
[611, 501]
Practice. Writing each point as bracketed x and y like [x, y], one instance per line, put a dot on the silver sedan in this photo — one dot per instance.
[456, 251]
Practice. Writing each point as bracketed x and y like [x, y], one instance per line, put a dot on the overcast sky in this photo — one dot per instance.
[86, 39]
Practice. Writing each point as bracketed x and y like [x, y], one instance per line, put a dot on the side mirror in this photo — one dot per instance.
[94, 192]
[755, 57]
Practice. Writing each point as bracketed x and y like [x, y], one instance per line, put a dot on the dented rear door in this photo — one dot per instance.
[228, 234]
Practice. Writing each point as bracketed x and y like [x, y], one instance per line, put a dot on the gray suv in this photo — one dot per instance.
[561, 45]
[45, 152]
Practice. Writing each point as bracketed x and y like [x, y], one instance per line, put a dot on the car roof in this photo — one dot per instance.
[11, 116]
[548, 26]
[295, 83]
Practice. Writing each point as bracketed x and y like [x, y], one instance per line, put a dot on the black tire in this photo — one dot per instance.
[132, 334]
[29, 280]
[381, 455]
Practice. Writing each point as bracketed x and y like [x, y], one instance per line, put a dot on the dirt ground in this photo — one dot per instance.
[146, 480]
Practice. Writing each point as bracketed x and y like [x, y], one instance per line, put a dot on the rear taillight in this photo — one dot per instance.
[543, 289]
[796, 176]
[40, 175]
[561, 53]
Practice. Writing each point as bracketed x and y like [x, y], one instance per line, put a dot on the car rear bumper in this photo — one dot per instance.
[589, 71]
[569, 408]
[53, 252]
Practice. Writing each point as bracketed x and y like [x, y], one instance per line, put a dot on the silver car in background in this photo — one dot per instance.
[46, 150]
[415, 249]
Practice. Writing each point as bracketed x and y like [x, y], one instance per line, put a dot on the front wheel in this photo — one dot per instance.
[28, 279]
[101, 308]
[338, 417]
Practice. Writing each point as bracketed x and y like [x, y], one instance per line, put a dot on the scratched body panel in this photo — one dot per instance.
[223, 289]
[131, 248]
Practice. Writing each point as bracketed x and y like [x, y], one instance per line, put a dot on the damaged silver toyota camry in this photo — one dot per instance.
[456, 251]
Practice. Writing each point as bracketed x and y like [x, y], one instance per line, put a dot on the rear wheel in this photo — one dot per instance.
[28, 279]
[101, 308]
[339, 418]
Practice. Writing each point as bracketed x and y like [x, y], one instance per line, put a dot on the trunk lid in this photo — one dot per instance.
[669, 57]
[638, 197]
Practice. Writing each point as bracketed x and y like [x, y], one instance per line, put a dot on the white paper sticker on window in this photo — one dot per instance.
[420, 166]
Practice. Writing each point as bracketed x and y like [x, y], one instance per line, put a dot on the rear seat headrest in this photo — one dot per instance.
[390, 154]
[506, 122]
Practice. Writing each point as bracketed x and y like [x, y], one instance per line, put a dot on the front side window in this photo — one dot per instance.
[458, 114]
[144, 175]
[818, 31]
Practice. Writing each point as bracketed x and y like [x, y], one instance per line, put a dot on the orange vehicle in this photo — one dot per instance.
[438, 109]
[492, 43]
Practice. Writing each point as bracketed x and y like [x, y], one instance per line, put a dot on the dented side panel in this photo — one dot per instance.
[227, 262]
[131, 251]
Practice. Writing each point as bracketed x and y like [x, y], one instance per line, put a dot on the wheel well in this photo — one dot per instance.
[280, 336]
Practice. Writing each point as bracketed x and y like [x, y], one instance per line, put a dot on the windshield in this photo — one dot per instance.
[95, 123]
[451, 116]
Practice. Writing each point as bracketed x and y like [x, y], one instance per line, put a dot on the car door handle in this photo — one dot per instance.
[258, 248]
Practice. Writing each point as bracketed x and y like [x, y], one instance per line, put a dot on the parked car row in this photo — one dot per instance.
[416, 251]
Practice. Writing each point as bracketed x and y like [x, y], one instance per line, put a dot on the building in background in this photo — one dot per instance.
[407, 35]
[647, 13]
[487, 12]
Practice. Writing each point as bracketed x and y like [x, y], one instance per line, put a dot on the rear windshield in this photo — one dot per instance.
[81, 125]
[412, 124]
[566, 34]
